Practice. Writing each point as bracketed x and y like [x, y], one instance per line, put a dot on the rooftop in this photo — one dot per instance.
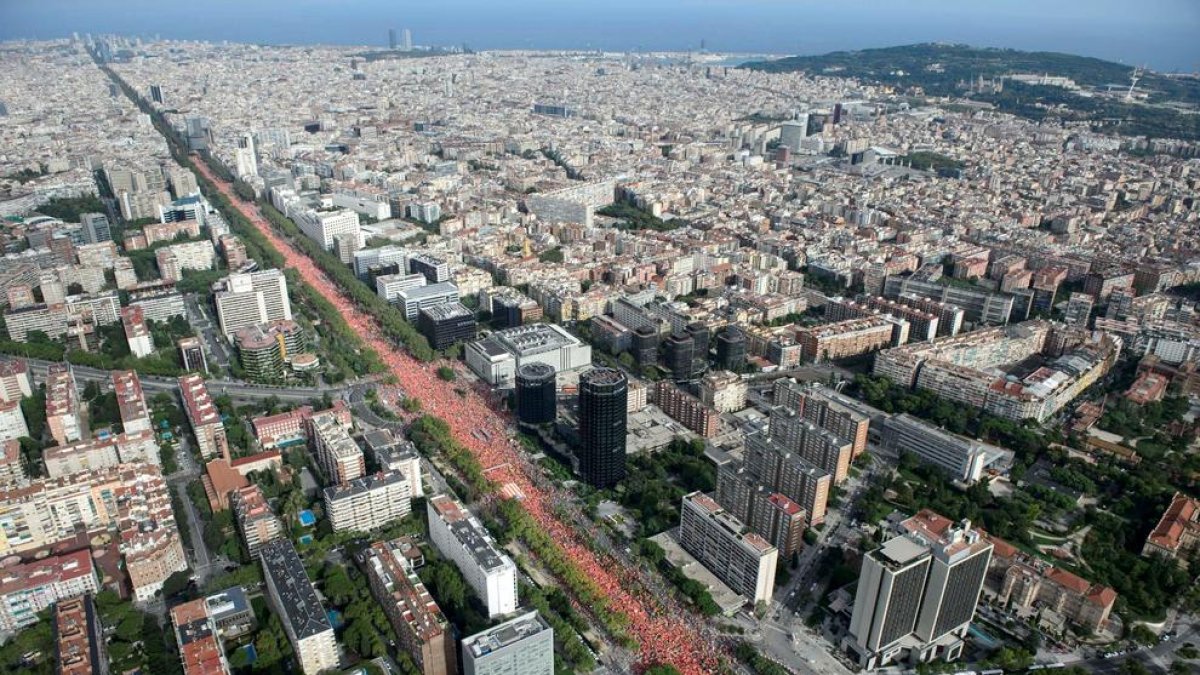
[298, 599]
[508, 633]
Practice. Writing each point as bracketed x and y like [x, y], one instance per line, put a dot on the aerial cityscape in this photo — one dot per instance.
[391, 354]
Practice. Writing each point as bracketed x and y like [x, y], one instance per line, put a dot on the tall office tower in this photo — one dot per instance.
[791, 133]
[680, 349]
[96, 227]
[247, 159]
[391, 38]
[199, 135]
[603, 397]
[296, 602]
[156, 94]
[731, 349]
[407, 40]
[837, 114]
[701, 339]
[3, 109]
[536, 403]
[918, 592]
[645, 346]
[520, 646]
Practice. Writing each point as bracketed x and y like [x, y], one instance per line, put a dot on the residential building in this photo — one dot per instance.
[421, 627]
[338, 456]
[14, 380]
[12, 421]
[296, 602]
[101, 452]
[823, 449]
[686, 409]
[741, 559]
[62, 404]
[369, 502]
[723, 391]
[12, 469]
[827, 409]
[846, 339]
[141, 344]
[79, 638]
[770, 464]
[199, 649]
[252, 298]
[202, 413]
[29, 588]
[523, 645]
[462, 538]
[256, 521]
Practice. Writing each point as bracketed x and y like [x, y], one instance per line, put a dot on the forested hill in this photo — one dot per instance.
[940, 68]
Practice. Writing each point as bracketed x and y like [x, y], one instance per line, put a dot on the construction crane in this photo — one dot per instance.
[1133, 80]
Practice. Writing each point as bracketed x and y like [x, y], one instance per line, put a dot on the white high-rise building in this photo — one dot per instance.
[460, 536]
[12, 421]
[324, 227]
[252, 298]
[726, 547]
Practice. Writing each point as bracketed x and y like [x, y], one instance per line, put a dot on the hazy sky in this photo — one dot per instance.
[1162, 33]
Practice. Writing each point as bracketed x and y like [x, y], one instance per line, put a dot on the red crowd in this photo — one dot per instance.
[665, 632]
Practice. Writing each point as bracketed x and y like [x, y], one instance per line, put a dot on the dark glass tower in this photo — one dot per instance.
[731, 349]
[645, 346]
[535, 393]
[603, 396]
[679, 357]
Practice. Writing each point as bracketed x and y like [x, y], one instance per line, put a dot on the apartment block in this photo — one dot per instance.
[421, 627]
[131, 402]
[199, 649]
[846, 339]
[295, 601]
[723, 391]
[14, 380]
[520, 646]
[461, 537]
[62, 404]
[337, 454]
[770, 464]
[827, 409]
[686, 409]
[79, 638]
[29, 588]
[12, 421]
[204, 417]
[256, 521]
[741, 559]
[823, 449]
[369, 502]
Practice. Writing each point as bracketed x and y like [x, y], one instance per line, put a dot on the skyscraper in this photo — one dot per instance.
[156, 93]
[391, 38]
[603, 396]
[535, 393]
[407, 40]
[918, 592]
[680, 349]
[731, 349]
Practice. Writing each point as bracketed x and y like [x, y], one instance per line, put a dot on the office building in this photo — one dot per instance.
[79, 640]
[978, 306]
[679, 352]
[204, 418]
[158, 306]
[536, 393]
[96, 227]
[918, 592]
[446, 325]
[29, 588]
[295, 601]
[191, 352]
[388, 286]
[741, 559]
[256, 521]
[421, 627]
[62, 404]
[324, 226]
[199, 649]
[390, 257]
[520, 646]
[462, 538]
[411, 301]
[369, 502]
[962, 459]
[338, 456]
[434, 269]
[496, 357]
[603, 394]
[686, 409]
[252, 298]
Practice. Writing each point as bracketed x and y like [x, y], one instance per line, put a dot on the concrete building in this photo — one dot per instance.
[338, 456]
[12, 421]
[199, 649]
[741, 559]
[388, 286]
[252, 298]
[1177, 534]
[256, 521]
[574, 204]
[846, 339]
[137, 334]
[324, 227]
[978, 306]
[411, 301]
[961, 458]
[770, 464]
[204, 417]
[461, 537]
[191, 352]
[62, 404]
[1031, 586]
[79, 640]
[918, 592]
[523, 645]
[447, 325]
[724, 391]
[369, 502]
[14, 380]
[686, 409]
[827, 409]
[421, 627]
[295, 601]
[29, 588]
[823, 449]
[496, 357]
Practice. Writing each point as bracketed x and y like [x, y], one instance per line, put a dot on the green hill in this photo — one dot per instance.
[940, 70]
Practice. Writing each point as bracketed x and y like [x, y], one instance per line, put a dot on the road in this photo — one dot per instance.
[200, 321]
[238, 391]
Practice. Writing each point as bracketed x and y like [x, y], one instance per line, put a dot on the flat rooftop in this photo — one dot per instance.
[297, 598]
[510, 632]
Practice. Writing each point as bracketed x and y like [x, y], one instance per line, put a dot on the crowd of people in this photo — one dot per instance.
[665, 632]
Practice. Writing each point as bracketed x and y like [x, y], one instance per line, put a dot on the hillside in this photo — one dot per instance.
[940, 70]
